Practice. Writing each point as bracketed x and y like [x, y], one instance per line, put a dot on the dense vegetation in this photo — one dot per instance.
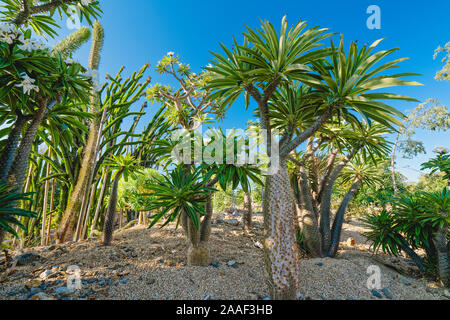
[73, 164]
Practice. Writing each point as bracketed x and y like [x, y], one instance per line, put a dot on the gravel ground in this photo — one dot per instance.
[147, 264]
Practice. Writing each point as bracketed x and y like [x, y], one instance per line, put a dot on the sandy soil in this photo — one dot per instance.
[147, 264]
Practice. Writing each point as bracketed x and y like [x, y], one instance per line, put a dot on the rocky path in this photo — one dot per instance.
[147, 264]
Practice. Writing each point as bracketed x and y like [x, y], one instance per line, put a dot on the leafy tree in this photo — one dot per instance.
[416, 221]
[125, 166]
[431, 116]
[182, 196]
[40, 15]
[342, 84]
[444, 74]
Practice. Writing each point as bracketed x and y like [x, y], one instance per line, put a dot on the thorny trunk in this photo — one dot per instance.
[440, 242]
[108, 227]
[339, 219]
[7, 156]
[248, 212]
[281, 254]
[18, 171]
[198, 239]
[394, 180]
[309, 217]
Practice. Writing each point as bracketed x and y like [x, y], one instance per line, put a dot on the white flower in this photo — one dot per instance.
[170, 53]
[39, 45]
[27, 84]
[86, 2]
[8, 38]
[27, 45]
[7, 27]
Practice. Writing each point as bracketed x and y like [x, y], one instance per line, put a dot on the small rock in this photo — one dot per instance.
[320, 264]
[214, 264]
[232, 264]
[27, 258]
[220, 221]
[151, 281]
[300, 296]
[42, 296]
[387, 293]
[63, 291]
[447, 293]
[124, 281]
[258, 245]
[233, 222]
[33, 283]
[266, 298]
[44, 275]
[207, 297]
[377, 294]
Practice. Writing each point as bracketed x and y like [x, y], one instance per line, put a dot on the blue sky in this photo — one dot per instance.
[141, 31]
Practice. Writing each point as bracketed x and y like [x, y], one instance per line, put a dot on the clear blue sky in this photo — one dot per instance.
[141, 31]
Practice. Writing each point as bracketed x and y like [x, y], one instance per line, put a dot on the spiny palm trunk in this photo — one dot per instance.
[339, 220]
[281, 254]
[308, 217]
[440, 242]
[78, 195]
[248, 212]
[198, 250]
[108, 227]
[7, 156]
[18, 169]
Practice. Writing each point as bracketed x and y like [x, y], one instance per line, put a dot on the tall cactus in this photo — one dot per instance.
[74, 207]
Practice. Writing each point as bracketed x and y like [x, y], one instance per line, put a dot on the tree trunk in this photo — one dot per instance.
[9, 151]
[281, 253]
[394, 180]
[108, 227]
[248, 212]
[339, 220]
[197, 239]
[308, 217]
[78, 195]
[99, 204]
[440, 242]
[18, 171]
[45, 205]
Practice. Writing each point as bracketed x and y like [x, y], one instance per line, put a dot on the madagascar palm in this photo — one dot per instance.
[268, 61]
[438, 212]
[184, 193]
[360, 171]
[439, 163]
[125, 166]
